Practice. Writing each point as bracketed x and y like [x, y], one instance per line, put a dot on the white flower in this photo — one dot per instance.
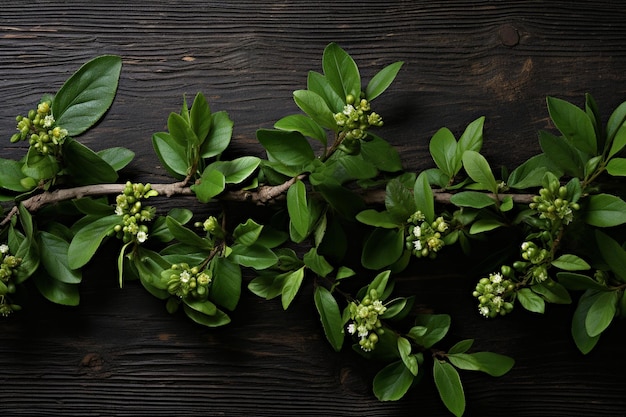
[496, 278]
[4, 249]
[417, 244]
[119, 210]
[48, 121]
[351, 328]
[484, 310]
[417, 231]
[362, 331]
[142, 236]
[184, 277]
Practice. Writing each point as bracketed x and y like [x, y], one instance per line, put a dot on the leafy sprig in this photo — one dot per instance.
[336, 189]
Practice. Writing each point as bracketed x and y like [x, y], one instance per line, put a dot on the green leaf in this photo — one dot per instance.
[11, 175]
[212, 182]
[436, 325]
[562, 153]
[38, 166]
[602, 309]
[375, 218]
[381, 154]
[186, 236]
[172, 155]
[461, 347]
[472, 199]
[605, 210]
[491, 363]
[410, 361]
[531, 301]
[319, 84]
[424, 199]
[87, 94]
[25, 248]
[613, 254]
[200, 117]
[317, 263]
[341, 71]
[288, 148]
[379, 283]
[530, 173]
[382, 248]
[247, 233]
[478, 169]
[570, 262]
[226, 283]
[619, 141]
[88, 238]
[315, 107]
[181, 131]
[574, 124]
[614, 124]
[201, 306]
[574, 281]
[392, 382]
[57, 291]
[470, 140]
[553, 292]
[215, 320]
[85, 166]
[253, 256]
[291, 285]
[584, 342]
[449, 386]
[303, 124]
[219, 135]
[297, 207]
[400, 201]
[484, 225]
[443, 149]
[237, 170]
[117, 157]
[382, 80]
[330, 317]
[53, 251]
[617, 167]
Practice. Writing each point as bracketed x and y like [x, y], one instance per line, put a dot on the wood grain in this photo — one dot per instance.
[121, 354]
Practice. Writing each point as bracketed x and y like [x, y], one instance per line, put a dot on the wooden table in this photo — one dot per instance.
[120, 353]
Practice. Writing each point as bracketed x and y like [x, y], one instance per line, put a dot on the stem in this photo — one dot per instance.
[261, 196]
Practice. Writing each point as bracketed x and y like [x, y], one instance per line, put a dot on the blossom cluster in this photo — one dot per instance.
[354, 121]
[40, 128]
[365, 320]
[184, 281]
[552, 203]
[134, 215]
[8, 265]
[425, 239]
[495, 294]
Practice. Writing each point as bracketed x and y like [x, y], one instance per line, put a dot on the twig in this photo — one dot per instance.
[261, 196]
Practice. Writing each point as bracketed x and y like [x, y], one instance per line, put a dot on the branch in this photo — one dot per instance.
[263, 195]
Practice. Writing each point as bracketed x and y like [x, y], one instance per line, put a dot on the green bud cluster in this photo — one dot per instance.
[8, 264]
[536, 261]
[184, 281]
[134, 215]
[495, 293]
[365, 320]
[354, 121]
[552, 203]
[425, 239]
[40, 129]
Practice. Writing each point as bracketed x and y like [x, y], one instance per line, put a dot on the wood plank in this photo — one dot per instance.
[120, 353]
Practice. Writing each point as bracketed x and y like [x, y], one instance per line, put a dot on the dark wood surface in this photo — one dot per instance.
[120, 353]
